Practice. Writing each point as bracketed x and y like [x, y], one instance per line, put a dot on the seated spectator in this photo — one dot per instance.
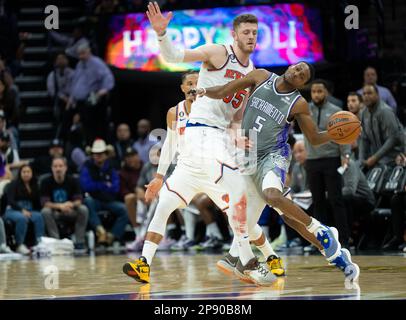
[92, 83]
[123, 142]
[61, 199]
[5, 74]
[11, 155]
[5, 174]
[382, 133]
[3, 245]
[9, 107]
[129, 175]
[23, 206]
[144, 142]
[72, 42]
[59, 82]
[10, 131]
[398, 207]
[102, 184]
[371, 78]
[358, 197]
[355, 105]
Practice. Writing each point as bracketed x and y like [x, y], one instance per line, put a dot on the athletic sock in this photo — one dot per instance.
[245, 250]
[190, 224]
[314, 226]
[148, 250]
[234, 248]
[266, 249]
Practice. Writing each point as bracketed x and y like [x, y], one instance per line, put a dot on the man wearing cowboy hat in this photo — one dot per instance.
[101, 183]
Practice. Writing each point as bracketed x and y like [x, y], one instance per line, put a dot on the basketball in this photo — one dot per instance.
[343, 127]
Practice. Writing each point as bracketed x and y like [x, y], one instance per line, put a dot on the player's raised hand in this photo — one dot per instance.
[152, 189]
[157, 19]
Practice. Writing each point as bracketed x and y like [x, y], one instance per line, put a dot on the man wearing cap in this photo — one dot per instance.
[102, 184]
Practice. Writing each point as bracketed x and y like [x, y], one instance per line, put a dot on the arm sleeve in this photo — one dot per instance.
[390, 131]
[169, 51]
[167, 152]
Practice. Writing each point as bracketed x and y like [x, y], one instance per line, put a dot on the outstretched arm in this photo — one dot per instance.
[251, 80]
[301, 113]
[170, 52]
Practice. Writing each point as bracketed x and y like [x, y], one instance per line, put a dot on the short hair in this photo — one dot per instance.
[185, 74]
[374, 86]
[65, 161]
[83, 46]
[244, 18]
[311, 70]
[353, 93]
[320, 81]
[370, 67]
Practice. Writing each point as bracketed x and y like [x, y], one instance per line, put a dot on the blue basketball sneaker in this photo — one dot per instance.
[328, 238]
[344, 263]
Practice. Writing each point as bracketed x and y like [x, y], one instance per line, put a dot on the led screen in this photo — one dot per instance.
[287, 33]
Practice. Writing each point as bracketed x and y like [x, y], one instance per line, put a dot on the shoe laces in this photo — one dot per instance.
[261, 269]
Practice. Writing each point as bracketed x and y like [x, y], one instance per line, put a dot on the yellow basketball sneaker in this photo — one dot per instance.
[275, 265]
[138, 270]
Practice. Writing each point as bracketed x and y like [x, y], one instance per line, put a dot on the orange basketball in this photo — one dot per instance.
[343, 127]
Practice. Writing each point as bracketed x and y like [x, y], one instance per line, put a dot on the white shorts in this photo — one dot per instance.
[186, 184]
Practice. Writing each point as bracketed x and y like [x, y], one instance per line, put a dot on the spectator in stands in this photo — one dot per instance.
[382, 133]
[71, 43]
[371, 78]
[102, 184]
[3, 129]
[8, 106]
[129, 175]
[6, 76]
[23, 206]
[92, 83]
[76, 142]
[59, 83]
[5, 174]
[322, 164]
[298, 179]
[123, 141]
[355, 105]
[43, 164]
[61, 199]
[11, 155]
[144, 142]
[358, 197]
[398, 207]
[3, 245]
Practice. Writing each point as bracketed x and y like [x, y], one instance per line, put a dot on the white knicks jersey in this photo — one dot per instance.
[220, 112]
[182, 117]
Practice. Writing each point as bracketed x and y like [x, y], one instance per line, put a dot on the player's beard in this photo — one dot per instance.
[244, 48]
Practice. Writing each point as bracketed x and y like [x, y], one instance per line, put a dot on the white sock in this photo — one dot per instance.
[190, 224]
[245, 251]
[234, 248]
[314, 226]
[212, 230]
[148, 250]
[266, 249]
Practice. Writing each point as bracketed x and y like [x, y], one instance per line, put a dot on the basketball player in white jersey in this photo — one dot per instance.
[205, 151]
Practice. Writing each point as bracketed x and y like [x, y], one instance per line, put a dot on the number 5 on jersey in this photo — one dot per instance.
[258, 122]
[236, 99]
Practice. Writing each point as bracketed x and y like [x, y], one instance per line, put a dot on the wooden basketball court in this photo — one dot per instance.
[194, 276]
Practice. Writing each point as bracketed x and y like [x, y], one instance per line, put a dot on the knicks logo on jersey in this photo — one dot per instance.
[233, 74]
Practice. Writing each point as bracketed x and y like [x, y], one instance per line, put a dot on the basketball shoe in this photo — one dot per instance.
[275, 265]
[138, 270]
[345, 264]
[227, 264]
[254, 272]
[328, 238]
